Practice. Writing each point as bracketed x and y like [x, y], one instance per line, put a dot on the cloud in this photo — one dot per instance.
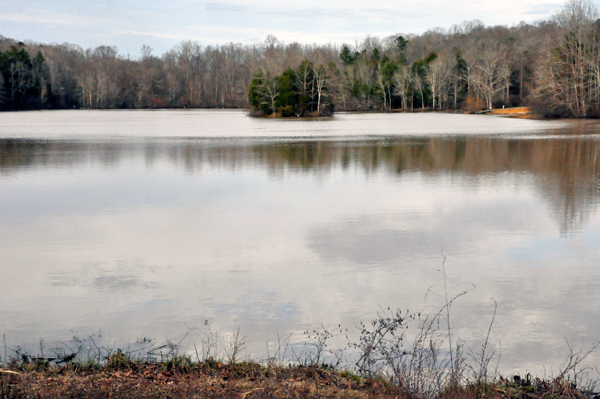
[323, 11]
[39, 16]
[161, 25]
[223, 7]
[369, 240]
[214, 34]
[542, 9]
[152, 34]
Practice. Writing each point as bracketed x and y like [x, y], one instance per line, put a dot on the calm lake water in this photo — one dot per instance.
[147, 223]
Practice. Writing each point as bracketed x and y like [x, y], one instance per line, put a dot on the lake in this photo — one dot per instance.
[123, 225]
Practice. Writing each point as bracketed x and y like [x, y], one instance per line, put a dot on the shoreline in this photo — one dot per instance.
[513, 112]
[178, 377]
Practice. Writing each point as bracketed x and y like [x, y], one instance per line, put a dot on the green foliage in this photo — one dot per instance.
[120, 361]
[350, 376]
[359, 89]
[401, 43]
[254, 91]
[375, 56]
[301, 92]
[260, 93]
[419, 67]
[178, 363]
[39, 59]
[346, 56]
[431, 57]
[287, 101]
[383, 79]
[21, 78]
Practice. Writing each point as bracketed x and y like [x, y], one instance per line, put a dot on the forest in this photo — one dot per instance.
[551, 65]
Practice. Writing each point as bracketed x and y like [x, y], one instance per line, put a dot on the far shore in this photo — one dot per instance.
[512, 112]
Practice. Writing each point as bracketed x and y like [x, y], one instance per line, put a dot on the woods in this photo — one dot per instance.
[552, 65]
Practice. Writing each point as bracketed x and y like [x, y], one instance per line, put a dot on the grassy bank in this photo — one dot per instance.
[121, 377]
[381, 368]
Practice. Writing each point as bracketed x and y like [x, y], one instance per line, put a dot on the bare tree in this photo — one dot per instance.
[419, 86]
[566, 80]
[271, 93]
[436, 75]
[402, 85]
[491, 73]
[321, 78]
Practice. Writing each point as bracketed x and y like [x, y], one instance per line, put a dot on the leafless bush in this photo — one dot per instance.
[482, 359]
[423, 364]
[319, 352]
[233, 346]
[279, 356]
[418, 367]
[575, 371]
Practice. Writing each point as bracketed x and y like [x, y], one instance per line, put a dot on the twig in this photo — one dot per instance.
[9, 372]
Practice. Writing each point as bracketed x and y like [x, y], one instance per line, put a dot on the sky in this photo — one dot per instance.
[160, 24]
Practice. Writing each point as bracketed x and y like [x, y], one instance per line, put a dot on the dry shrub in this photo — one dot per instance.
[473, 104]
[156, 102]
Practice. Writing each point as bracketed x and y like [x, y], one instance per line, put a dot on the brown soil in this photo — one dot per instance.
[244, 380]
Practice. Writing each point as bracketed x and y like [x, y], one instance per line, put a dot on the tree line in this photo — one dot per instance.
[552, 65]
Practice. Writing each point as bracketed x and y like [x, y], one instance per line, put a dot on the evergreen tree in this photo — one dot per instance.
[255, 92]
[287, 100]
[299, 92]
[21, 78]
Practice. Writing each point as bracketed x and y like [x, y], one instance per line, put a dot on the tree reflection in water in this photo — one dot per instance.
[565, 164]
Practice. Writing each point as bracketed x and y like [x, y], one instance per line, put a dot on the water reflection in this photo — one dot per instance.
[566, 169]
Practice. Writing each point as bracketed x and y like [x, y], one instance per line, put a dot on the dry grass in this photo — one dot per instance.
[211, 379]
[206, 380]
[511, 111]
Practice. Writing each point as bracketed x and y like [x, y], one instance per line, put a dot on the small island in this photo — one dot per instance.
[301, 92]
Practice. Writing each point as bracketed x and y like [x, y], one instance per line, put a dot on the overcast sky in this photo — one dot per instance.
[161, 24]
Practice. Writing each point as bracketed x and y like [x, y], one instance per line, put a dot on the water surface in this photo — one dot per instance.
[145, 223]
